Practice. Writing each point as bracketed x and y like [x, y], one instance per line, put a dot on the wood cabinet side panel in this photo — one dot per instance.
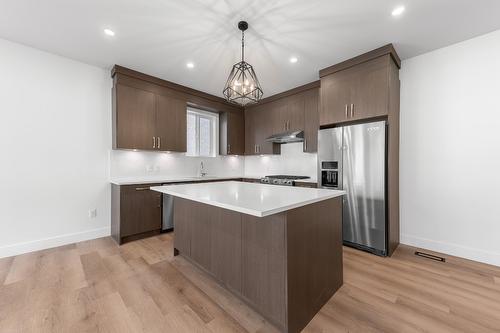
[314, 259]
[115, 213]
[393, 160]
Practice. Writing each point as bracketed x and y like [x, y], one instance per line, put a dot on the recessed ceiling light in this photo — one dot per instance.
[109, 32]
[398, 11]
[190, 65]
[293, 60]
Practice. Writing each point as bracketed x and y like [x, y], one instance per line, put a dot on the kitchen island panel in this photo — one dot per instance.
[263, 264]
[314, 265]
[183, 216]
[226, 249]
[285, 265]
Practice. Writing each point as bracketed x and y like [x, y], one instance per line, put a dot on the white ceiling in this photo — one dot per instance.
[159, 37]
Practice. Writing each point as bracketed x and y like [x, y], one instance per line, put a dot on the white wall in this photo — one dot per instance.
[450, 150]
[292, 161]
[55, 132]
[128, 164]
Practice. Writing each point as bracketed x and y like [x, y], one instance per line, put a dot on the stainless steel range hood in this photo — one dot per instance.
[287, 137]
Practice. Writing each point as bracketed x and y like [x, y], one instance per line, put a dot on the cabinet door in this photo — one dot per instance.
[311, 104]
[235, 133]
[266, 124]
[171, 124]
[294, 113]
[250, 134]
[135, 118]
[370, 96]
[140, 210]
[278, 116]
[335, 97]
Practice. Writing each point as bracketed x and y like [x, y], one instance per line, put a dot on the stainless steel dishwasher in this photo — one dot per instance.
[168, 212]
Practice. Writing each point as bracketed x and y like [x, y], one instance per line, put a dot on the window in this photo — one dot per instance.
[202, 133]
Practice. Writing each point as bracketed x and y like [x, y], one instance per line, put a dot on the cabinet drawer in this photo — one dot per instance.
[140, 210]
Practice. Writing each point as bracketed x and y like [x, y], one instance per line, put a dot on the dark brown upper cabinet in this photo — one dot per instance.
[232, 133]
[148, 121]
[260, 123]
[150, 113]
[358, 88]
[171, 124]
[293, 110]
[293, 114]
[311, 120]
[135, 118]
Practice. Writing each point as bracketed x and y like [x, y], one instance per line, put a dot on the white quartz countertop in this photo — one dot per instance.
[249, 198]
[164, 179]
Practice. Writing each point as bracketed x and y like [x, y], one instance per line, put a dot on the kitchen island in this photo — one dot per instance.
[277, 248]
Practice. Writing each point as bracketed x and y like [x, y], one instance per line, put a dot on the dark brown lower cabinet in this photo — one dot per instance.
[286, 266]
[136, 212]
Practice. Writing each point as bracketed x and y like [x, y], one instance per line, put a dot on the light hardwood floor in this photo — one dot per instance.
[96, 286]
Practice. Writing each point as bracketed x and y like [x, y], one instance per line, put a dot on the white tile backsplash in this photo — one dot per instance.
[292, 161]
[124, 164]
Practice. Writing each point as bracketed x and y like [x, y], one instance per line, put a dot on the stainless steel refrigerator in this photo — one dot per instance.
[354, 158]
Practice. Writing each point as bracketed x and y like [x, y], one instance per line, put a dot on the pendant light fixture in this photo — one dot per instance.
[242, 86]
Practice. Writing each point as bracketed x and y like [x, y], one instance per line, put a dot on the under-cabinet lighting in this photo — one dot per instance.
[293, 60]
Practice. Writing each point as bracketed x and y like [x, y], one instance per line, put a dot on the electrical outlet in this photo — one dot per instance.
[93, 213]
[149, 168]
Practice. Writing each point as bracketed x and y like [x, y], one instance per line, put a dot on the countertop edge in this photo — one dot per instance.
[247, 210]
[124, 181]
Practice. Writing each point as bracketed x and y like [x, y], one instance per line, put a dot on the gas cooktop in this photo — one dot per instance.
[281, 179]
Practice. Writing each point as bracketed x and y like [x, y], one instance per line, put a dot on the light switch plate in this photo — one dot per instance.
[93, 213]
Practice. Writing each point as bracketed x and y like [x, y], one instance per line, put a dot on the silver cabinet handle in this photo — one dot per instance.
[142, 188]
[159, 142]
[229, 149]
[305, 144]
[346, 107]
[352, 110]
[154, 142]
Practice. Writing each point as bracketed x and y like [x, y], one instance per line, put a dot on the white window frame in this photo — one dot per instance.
[214, 137]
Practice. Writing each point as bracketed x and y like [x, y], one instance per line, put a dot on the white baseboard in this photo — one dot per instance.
[483, 256]
[46, 243]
